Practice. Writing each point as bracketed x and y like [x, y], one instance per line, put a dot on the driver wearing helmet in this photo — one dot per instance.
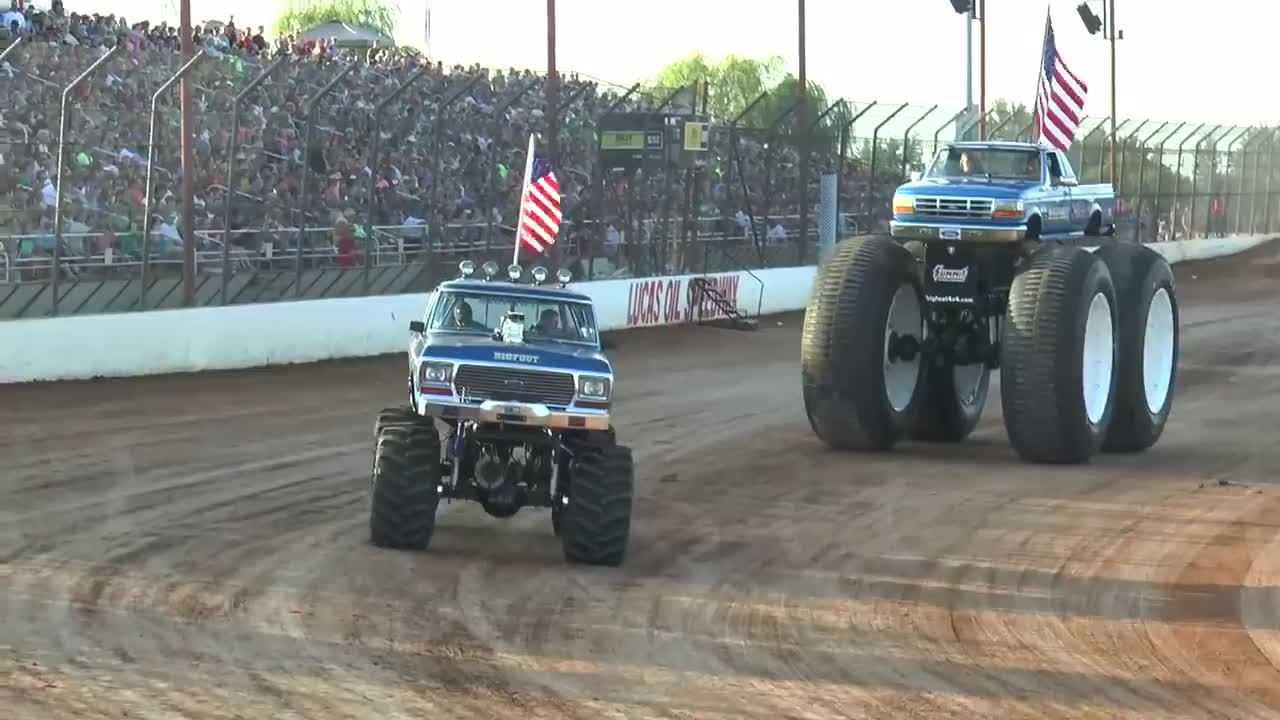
[462, 319]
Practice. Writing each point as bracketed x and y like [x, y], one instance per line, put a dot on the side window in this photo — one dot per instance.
[1064, 166]
[1055, 167]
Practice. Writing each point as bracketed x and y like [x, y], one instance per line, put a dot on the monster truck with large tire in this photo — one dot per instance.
[902, 331]
[505, 415]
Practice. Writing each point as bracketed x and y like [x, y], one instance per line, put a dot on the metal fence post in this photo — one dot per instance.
[437, 123]
[844, 148]
[769, 165]
[875, 143]
[1102, 150]
[955, 120]
[906, 137]
[309, 111]
[1142, 177]
[1124, 150]
[734, 160]
[375, 148]
[1244, 169]
[151, 158]
[60, 190]
[1195, 174]
[1177, 182]
[234, 145]
[1266, 191]
[489, 190]
[602, 182]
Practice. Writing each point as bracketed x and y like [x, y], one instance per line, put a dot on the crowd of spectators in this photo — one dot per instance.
[451, 184]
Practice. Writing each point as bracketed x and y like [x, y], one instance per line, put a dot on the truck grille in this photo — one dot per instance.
[941, 207]
[482, 382]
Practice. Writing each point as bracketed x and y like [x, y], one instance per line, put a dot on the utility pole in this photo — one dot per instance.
[188, 163]
[804, 137]
[982, 59]
[1111, 23]
[968, 63]
[552, 89]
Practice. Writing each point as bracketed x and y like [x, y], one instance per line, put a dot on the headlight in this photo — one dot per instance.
[904, 204]
[435, 373]
[594, 388]
[1008, 209]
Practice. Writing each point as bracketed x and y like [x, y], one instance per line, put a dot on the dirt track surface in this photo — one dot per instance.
[197, 548]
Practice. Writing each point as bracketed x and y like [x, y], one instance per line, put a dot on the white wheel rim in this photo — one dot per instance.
[968, 381]
[1099, 343]
[1157, 351]
[905, 318]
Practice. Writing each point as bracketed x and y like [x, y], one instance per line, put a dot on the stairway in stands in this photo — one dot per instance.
[704, 293]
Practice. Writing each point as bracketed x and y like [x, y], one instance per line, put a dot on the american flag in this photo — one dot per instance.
[540, 207]
[1059, 97]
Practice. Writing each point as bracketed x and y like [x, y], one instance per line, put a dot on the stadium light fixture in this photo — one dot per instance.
[962, 6]
[1092, 22]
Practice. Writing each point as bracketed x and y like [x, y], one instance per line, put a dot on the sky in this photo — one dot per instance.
[1178, 60]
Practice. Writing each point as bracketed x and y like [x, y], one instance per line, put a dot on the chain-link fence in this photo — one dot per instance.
[346, 175]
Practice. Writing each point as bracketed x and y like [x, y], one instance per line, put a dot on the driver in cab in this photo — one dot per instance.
[549, 324]
[462, 318]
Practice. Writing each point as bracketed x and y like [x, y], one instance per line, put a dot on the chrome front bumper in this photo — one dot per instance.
[909, 230]
[515, 413]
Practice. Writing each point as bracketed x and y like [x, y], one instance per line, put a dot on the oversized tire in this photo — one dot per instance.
[952, 398]
[406, 482]
[394, 416]
[1058, 357]
[595, 525]
[860, 350]
[1147, 341]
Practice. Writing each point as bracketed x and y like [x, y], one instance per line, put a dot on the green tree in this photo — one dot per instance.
[301, 15]
[734, 82]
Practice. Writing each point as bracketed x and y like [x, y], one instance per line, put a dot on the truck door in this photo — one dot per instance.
[1058, 205]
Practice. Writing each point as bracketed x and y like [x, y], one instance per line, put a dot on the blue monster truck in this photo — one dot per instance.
[507, 414]
[985, 268]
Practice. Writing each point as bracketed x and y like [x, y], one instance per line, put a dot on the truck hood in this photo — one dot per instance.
[996, 189]
[549, 355]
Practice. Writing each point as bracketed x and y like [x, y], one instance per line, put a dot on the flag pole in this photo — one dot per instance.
[1039, 132]
[524, 192]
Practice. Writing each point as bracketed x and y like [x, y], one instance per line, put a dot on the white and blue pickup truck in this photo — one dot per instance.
[1001, 192]
[998, 259]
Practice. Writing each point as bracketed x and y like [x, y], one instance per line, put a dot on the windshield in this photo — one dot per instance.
[546, 320]
[986, 163]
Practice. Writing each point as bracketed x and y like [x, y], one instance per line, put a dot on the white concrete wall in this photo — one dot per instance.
[244, 336]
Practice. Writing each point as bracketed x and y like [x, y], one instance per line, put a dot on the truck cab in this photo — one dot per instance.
[1001, 192]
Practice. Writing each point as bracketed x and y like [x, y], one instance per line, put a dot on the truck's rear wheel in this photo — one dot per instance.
[595, 525]
[1058, 358]
[860, 351]
[952, 399]
[406, 481]
[1147, 345]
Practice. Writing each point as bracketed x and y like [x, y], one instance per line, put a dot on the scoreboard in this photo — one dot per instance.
[630, 141]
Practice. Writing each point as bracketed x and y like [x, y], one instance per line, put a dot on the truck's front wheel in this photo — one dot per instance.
[1058, 358]
[862, 345]
[595, 525]
[406, 481]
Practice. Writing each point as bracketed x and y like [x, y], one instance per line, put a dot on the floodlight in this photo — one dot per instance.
[514, 272]
[467, 268]
[490, 269]
[539, 275]
[1092, 22]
